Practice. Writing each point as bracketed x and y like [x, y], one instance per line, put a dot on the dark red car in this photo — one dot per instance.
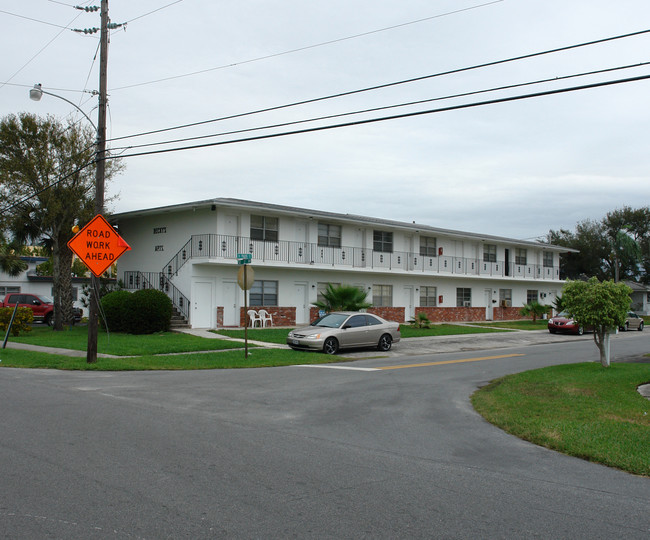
[563, 323]
[41, 306]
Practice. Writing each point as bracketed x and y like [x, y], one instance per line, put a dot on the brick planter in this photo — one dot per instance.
[282, 316]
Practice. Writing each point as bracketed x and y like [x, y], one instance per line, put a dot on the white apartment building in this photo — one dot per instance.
[190, 251]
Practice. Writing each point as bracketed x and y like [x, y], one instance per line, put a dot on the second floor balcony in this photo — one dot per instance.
[226, 248]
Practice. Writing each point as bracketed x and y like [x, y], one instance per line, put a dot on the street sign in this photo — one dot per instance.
[245, 277]
[244, 258]
[98, 245]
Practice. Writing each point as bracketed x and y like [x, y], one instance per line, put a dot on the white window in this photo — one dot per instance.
[520, 256]
[428, 246]
[428, 296]
[490, 253]
[264, 228]
[463, 297]
[382, 295]
[383, 241]
[329, 235]
[264, 293]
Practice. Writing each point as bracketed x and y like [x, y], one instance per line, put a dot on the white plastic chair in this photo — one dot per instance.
[265, 317]
[254, 318]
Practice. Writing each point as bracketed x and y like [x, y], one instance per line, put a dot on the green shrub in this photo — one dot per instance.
[22, 322]
[115, 306]
[143, 312]
[421, 321]
[150, 311]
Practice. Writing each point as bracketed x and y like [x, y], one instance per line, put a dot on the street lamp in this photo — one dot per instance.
[36, 93]
[100, 171]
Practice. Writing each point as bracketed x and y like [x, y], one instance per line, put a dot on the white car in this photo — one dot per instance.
[345, 330]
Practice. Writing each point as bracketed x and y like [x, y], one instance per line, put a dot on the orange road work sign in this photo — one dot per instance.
[98, 245]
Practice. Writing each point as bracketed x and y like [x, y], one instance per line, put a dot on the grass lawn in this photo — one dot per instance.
[76, 338]
[149, 352]
[213, 360]
[268, 335]
[582, 410]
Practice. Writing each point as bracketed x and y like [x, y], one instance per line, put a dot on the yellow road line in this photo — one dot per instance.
[452, 361]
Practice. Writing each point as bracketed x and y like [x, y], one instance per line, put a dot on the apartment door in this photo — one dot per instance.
[489, 306]
[202, 305]
[231, 231]
[302, 304]
[231, 295]
[408, 303]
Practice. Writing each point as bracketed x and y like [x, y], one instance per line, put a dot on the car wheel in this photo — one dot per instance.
[331, 346]
[641, 326]
[49, 320]
[551, 330]
[385, 343]
[581, 330]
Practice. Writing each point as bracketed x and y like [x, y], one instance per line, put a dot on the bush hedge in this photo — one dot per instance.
[143, 312]
[115, 306]
[22, 322]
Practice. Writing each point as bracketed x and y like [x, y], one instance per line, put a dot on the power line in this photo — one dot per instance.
[34, 20]
[385, 107]
[152, 12]
[49, 186]
[393, 117]
[305, 48]
[346, 124]
[388, 85]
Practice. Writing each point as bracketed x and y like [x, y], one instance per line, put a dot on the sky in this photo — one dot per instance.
[515, 168]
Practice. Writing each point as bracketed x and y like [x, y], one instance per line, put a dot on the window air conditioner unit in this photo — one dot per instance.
[467, 304]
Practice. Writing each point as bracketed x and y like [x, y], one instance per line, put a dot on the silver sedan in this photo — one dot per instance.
[345, 330]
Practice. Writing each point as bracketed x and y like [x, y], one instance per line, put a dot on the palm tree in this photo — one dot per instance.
[10, 262]
[535, 309]
[343, 298]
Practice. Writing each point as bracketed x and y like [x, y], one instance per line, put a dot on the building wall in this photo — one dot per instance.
[210, 282]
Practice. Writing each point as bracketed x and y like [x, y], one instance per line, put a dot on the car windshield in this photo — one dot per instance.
[331, 320]
[44, 299]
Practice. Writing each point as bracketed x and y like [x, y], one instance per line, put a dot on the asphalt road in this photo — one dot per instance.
[301, 452]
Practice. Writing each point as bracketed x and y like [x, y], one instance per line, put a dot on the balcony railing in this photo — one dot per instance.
[216, 246]
[158, 280]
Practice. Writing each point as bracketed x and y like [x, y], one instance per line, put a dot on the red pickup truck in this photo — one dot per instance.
[41, 306]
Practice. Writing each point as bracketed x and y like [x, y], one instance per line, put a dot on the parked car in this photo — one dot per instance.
[633, 322]
[41, 306]
[345, 330]
[564, 323]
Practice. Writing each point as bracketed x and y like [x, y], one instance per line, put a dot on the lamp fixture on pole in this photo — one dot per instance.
[36, 93]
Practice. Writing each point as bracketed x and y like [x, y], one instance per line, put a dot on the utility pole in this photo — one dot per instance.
[93, 310]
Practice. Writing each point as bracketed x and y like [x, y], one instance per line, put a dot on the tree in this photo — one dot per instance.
[343, 298]
[603, 305]
[616, 247]
[625, 228]
[593, 250]
[10, 261]
[534, 309]
[47, 181]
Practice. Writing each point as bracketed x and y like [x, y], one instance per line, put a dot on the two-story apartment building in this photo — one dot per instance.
[190, 251]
